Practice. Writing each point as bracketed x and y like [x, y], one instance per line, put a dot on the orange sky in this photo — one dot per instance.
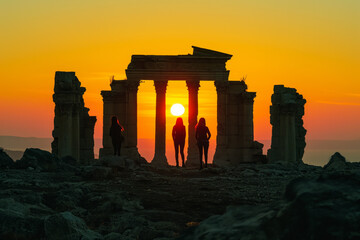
[309, 45]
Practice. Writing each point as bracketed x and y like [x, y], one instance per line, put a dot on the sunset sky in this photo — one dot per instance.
[310, 45]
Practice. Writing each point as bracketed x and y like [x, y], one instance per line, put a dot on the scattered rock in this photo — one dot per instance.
[16, 222]
[96, 173]
[5, 160]
[120, 163]
[326, 208]
[38, 159]
[164, 203]
[67, 226]
[69, 160]
[114, 236]
[337, 162]
[117, 162]
[248, 172]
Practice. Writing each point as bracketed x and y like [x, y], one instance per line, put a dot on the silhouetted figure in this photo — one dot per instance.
[115, 134]
[202, 135]
[178, 135]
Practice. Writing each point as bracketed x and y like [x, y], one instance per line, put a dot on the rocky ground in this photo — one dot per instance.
[43, 197]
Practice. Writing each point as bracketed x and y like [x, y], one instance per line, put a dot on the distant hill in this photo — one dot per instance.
[21, 143]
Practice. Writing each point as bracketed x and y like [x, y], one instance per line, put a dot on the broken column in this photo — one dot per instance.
[235, 140]
[121, 101]
[288, 133]
[73, 127]
[115, 104]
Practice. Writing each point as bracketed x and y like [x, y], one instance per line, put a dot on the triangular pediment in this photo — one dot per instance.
[209, 53]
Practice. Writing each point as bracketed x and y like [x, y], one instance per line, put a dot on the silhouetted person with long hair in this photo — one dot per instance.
[115, 134]
[202, 135]
[178, 135]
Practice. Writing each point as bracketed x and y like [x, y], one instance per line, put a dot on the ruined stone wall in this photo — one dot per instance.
[288, 133]
[121, 102]
[235, 140]
[115, 104]
[73, 127]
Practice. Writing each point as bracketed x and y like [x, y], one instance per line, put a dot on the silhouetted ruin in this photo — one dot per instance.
[235, 136]
[73, 127]
[235, 139]
[288, 133]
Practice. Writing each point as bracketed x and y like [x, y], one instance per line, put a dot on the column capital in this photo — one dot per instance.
[113, 96]
[248, 97]
[193, 85]
[160, 86]
[133, 85]
[221, 86]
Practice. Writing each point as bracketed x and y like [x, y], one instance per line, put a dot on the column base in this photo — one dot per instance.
[192, 159]
[221, 157]
[160, 161]
[236, 156]
[105, 152]
[130, 152]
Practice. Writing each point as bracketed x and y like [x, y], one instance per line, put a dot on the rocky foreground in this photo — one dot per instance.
[44, 197]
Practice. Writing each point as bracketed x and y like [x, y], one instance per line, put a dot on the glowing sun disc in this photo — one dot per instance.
[177, 109]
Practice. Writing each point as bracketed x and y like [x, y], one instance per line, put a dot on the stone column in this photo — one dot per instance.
[131, 131]
[289, 140]
[193, 152]
[108, 112]
[65, 131]
[246, 134]
[76, 132]
[160, 130]
[221, 138]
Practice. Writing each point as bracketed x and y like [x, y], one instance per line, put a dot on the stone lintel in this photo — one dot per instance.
[135, 75]
[113, 96]
[119, 85]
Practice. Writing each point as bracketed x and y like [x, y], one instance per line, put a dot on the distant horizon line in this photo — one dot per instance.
[358, 139]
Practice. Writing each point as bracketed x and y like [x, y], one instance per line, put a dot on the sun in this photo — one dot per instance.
[177, 109]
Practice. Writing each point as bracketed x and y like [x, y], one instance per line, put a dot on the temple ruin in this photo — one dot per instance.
[73, 127]
[235, 137]
[288, 133]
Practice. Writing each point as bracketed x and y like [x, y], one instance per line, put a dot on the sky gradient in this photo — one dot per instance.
[312, 46]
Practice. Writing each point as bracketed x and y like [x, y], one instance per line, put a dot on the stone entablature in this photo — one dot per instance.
[73, 127]
[203, 64]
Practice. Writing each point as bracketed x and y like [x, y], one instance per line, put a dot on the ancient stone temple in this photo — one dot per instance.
[73, 127]
[235, 139]
[288, 133]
